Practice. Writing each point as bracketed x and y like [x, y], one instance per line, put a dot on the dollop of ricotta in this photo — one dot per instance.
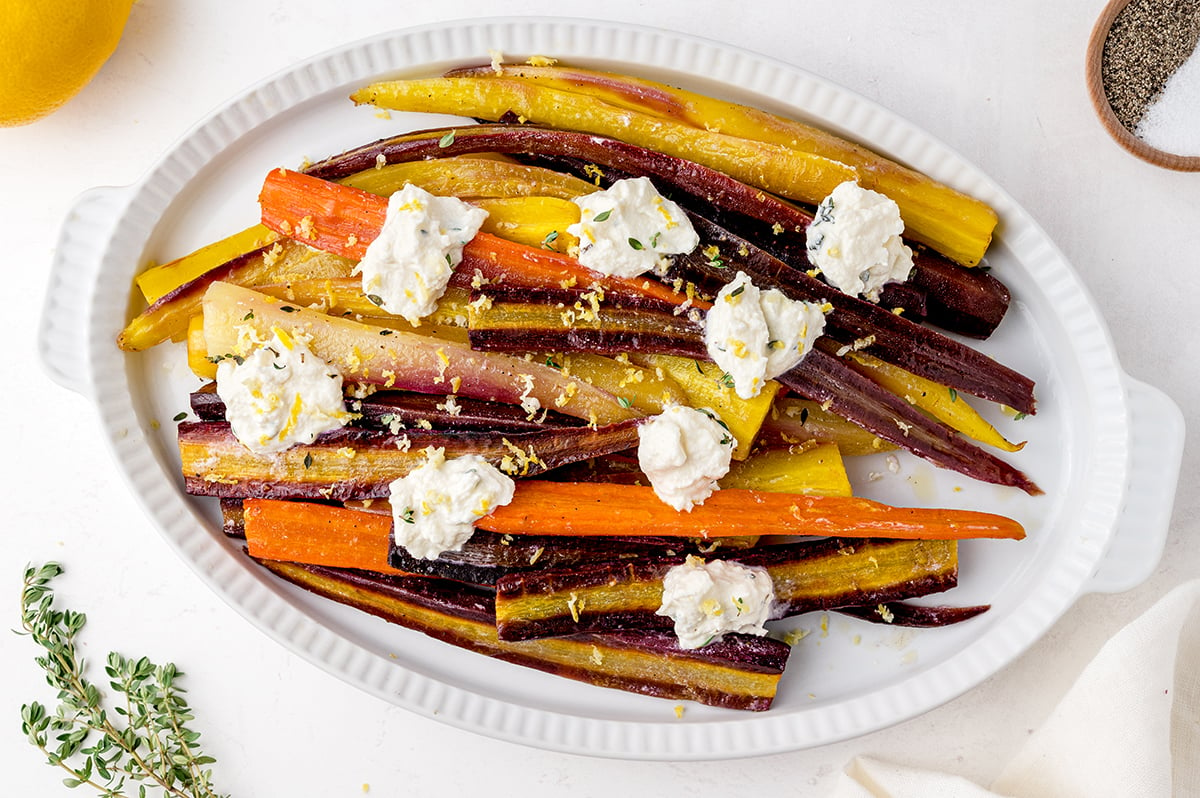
[756, 335]
[629, 228]
[280, 394]
[855, 241]
[406, 269]
[683, 452]
[709, 599]
[435, 507]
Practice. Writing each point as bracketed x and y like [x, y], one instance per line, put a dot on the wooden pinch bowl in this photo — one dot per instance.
[1095, 84]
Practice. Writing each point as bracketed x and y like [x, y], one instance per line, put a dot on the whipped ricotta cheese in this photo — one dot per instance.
[706, 600]
[280, 394]
[406, 269]
[683, 452]
[855, 241]
[756, 335]
[629, 228]
[435, 507]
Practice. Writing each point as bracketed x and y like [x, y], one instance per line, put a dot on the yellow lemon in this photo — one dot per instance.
[50, 49]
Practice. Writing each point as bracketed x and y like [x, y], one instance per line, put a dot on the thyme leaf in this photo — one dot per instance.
[145, 740]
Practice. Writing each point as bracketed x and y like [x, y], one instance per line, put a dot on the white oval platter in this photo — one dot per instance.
[1096, 445]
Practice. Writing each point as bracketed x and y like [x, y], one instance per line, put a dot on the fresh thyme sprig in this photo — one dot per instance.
[150, 745]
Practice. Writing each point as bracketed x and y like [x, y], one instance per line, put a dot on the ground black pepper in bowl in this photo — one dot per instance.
[1143, 77]
[1148, 41]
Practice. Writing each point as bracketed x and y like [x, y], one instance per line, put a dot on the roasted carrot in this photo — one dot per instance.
[158, 281]
[949, 221]
[937, 400]
[344, 220]
[317, 534]
[498, 258]
[801, 176]
[587, 508]
[328, 216]
[310, 531]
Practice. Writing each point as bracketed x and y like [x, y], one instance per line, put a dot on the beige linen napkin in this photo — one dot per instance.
[1130, 726]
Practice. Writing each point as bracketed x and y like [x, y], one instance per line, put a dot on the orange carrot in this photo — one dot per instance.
[344, 220]
[589, 509]
[317, 534]
[328, 216]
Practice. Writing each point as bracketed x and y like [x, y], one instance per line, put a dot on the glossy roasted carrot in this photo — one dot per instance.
[588, 508]
[317, 534]
[803, 176]
[539, 222]
[937, 400]
[283, 262]
[613, 509]
[499, 186]
[344, 220]
[948, 220]
[469, 177]
[328, 216]
[392, 358]
[158, 281]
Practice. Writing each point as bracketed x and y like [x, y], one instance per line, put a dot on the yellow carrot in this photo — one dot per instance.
[158, 281]
[791, 173]
[944, 404]
[706, 385]
[951, 222]
[815, 469]
[470, 177]
[534, 221]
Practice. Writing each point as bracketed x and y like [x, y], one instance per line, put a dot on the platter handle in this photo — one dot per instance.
[82, 243]
[1156, 432]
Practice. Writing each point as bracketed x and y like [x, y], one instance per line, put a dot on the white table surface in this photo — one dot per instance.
[1000, 82]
